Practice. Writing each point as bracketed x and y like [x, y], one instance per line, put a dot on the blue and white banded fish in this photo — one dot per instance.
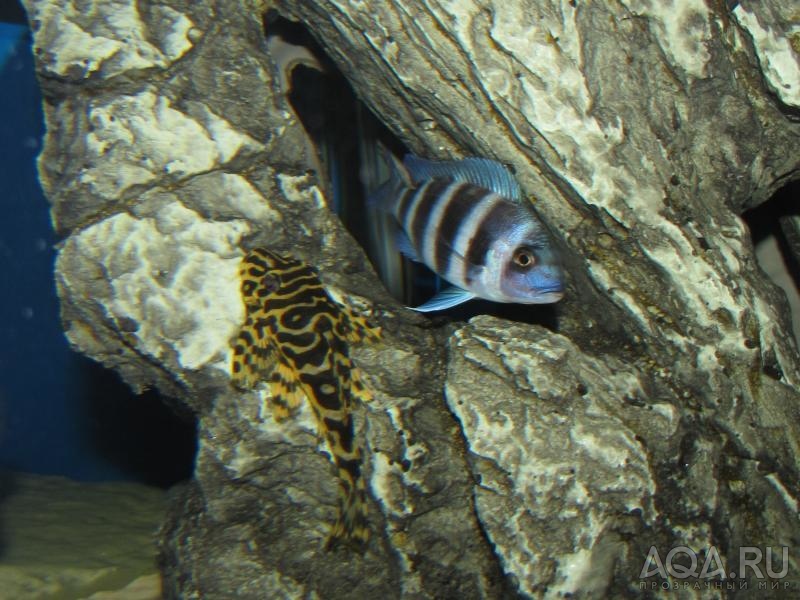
[296, 338]
[468, 222]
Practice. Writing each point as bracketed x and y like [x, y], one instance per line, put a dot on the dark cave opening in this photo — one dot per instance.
[775, 230]
[143, 436]
[346, 135]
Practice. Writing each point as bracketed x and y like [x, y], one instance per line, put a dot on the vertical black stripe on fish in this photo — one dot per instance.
[413, 207]
[463, 201]
[429, 238]
[405, 204]
[423, 210]
[487, 231]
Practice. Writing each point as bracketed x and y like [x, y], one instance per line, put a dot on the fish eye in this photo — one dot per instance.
[270, 283]
[524, 257]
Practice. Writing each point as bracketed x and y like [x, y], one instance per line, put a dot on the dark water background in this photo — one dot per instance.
[60, 413]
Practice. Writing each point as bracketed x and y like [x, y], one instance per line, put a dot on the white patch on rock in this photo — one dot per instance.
[384, 482]
[683, 28]
[298, 188]
[240, 195]
[177, 39]
[555, 101]
[173, 274]
[119, 42]
[413, 453]
[779, 61]
[144, 137]
[699, 281]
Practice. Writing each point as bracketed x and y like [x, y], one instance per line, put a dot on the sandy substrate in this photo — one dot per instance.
[61, 539]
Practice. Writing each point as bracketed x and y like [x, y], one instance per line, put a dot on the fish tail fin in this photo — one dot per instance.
[386, 195]
[351, 526]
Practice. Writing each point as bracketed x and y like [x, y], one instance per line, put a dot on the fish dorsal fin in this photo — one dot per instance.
[483, 172]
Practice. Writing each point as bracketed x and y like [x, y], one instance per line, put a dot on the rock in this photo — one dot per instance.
[560, 458]
[658, 409]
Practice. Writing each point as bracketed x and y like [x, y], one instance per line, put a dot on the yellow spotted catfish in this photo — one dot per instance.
[295, 337]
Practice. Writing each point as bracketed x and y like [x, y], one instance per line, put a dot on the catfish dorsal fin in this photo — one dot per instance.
[482, 172]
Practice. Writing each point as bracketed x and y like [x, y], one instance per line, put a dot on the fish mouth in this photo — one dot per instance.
[548, 295]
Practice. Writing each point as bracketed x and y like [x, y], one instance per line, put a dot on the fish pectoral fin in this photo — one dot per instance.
[447, 298]
[403, 244]
[253, 357]
[486, 173]
[359, 391]
[356, 328]
[287, 395]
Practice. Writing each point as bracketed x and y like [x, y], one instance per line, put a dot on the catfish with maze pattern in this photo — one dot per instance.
[296, 338]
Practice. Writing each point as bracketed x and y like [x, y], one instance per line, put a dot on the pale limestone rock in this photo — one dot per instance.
[660, 406]
[775, 30]
[550, 431]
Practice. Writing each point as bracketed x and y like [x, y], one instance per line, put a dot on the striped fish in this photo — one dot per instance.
[296, 338]
[468, 222]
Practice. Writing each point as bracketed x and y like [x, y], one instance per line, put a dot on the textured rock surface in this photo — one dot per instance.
[545, 457]
[65, 539]
[775, 32]
[503, 458]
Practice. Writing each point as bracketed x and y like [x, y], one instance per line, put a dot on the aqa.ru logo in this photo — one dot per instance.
[749, 557]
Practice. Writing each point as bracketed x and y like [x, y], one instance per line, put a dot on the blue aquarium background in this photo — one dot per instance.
[60, 413]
